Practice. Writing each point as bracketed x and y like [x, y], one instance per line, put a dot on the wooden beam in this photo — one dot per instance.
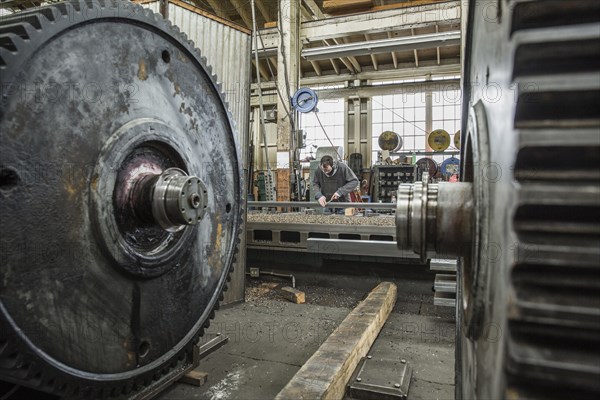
[337, 6]
[245, 13]
[346, 63]
[335, 65]
[394, 57]
[412, 31]
[382, 21]
[352, 59]
[264, 72]
[314, 8]
[270, 24]
[217, 7]
[264, 10]
[450, 66]
[406, 4]
[373, 56]
[326, 373]
[206, 14]
[316, 67]
[273, 61]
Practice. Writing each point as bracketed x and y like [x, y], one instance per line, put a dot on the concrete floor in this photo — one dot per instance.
[271, 338]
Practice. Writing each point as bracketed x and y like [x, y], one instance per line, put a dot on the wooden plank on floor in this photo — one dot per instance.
[326, 373]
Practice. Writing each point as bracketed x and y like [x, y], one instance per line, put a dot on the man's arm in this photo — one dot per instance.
[351, 181]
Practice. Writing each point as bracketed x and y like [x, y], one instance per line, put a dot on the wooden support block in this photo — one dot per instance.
[265, 288]
[270, 24]
[326, 373]
[293, 295]
[195, 378]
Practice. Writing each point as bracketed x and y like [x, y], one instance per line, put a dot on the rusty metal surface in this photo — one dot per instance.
[87, 308]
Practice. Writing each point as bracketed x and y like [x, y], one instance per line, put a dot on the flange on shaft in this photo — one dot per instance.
[434, 219]
[174, 198]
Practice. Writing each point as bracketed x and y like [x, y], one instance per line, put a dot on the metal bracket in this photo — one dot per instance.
[376, 378]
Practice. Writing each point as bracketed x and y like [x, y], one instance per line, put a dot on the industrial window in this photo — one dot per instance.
[446, 114]
[331, 115]
[403, 113]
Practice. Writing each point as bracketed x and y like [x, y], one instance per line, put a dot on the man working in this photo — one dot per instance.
[333, 181]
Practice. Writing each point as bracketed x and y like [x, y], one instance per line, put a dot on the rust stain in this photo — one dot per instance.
[95, 182]
[218, 240]
[142, 73]
[177, 89]
[70, 189]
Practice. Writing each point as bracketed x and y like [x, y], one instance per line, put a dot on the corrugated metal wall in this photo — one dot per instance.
[227, 50]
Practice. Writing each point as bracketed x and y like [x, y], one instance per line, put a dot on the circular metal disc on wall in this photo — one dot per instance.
[438, 140]
[390, 141]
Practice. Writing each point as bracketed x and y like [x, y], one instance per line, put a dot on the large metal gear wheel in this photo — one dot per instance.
[120, 197]
[528, 321]
[524, 222]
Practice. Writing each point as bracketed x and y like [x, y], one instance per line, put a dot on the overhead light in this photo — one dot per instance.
[426, 41]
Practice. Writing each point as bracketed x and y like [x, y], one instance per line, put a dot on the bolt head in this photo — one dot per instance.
[396, 385]
[403, 361]
[358, 379]
[369, 357]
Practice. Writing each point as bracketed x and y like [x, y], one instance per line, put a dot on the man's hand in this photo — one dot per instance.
[335, 196]
[322, 201]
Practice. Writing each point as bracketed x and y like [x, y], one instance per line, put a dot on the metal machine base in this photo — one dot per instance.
[199, 353]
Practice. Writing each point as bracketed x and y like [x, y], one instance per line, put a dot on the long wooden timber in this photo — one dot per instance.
[326, 373]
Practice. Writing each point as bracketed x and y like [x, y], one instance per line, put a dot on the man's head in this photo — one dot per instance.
[328, 165]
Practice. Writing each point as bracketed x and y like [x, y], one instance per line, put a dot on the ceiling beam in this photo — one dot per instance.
[314, 9]
[365, 91]
[427, 41]
[373, 56]
[216, 5]
[412, 31]
[381, 21]
[273, 68]
[316, 66]
[352, 59]
[394, 57]
[264, 72]
[405, 4]
[264, 11]
[245, 13]
[345, 62]
[337, 6]
[335, 65]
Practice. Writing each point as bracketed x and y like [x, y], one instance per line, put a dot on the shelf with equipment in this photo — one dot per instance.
[386, 179]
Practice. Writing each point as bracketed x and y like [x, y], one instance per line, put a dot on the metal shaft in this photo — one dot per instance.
[434, 219]
[172, 199]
